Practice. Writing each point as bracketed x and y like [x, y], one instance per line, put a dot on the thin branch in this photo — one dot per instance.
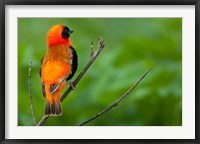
[118, 100]
[30, 92]
[91, 49]
[42, 121]
[75, 82]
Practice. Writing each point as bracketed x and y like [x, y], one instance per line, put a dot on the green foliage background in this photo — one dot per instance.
[132, 45]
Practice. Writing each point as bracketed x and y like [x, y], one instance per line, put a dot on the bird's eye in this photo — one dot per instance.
[65, 32]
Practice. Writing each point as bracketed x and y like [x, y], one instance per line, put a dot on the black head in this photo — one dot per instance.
[66, 32]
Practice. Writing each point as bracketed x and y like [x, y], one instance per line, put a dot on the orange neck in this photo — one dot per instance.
[55, 41]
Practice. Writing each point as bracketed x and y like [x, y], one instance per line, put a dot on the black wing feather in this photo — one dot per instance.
[41, 66]
[43, 87]
[74, 63]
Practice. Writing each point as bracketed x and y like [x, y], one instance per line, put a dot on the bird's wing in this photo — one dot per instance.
[74, 60]
[43, 87]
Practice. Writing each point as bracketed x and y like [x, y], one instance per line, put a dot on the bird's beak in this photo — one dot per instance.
[70, 31]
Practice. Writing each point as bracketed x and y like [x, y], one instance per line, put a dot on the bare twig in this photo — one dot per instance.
[42, 121]
[92, 50]
[30, 92]
[75, 82]
[116, 102]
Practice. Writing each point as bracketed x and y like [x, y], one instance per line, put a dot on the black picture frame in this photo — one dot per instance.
[99, 2]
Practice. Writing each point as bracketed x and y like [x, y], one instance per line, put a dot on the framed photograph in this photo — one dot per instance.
[100, 72]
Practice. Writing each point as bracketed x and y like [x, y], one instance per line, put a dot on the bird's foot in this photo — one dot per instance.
[72, 85]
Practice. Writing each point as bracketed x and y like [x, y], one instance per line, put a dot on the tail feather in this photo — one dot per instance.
[58, 109]
[53, 109]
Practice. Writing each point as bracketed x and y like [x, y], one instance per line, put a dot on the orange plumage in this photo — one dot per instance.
[59, 62]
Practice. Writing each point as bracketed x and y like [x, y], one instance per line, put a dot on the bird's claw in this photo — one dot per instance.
[72, 86]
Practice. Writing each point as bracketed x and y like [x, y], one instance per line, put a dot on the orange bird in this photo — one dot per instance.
[59, 63]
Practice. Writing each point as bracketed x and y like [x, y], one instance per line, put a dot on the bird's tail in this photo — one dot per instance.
[53, 106]
[53, 109]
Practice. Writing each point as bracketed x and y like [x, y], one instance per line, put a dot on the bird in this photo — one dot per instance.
[58, 66]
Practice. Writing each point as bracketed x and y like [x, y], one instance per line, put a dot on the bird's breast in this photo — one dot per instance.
[56, 64]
